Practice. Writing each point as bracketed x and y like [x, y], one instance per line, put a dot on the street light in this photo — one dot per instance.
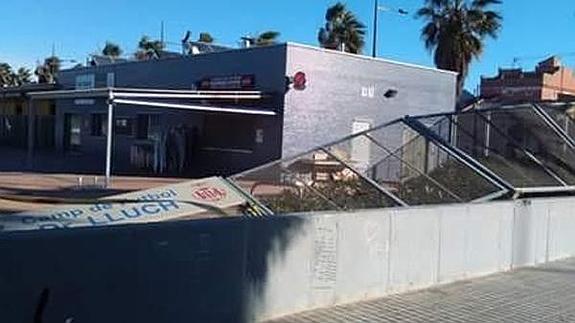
[376, 10]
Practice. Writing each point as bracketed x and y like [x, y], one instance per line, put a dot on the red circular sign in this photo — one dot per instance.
[299, 81]
[209, 193]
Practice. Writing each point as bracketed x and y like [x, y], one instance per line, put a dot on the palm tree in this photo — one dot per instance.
[206, 38]
[267, 38]
[9, 77]
[22, 76]
[112, 50]
[5, 75]
[148, 48]
[456, 30]
[342, 31]
[48, 71]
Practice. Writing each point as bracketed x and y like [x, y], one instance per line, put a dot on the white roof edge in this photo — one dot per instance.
[144, 90]
[384, 60]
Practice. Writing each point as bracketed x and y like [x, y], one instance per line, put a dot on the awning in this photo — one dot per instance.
[195, 107]
[144, 97]
[147, 93]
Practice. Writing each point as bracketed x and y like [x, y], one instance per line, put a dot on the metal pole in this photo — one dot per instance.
[31, 132]
[109, 134]
[375, 11]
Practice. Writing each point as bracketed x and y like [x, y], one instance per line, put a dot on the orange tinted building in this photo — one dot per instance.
[550, 81]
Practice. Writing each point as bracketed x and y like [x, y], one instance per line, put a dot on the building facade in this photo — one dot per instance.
[317, 96]
[14, 107]
[550, 81]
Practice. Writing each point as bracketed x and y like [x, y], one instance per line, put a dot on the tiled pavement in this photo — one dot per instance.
[538, 294]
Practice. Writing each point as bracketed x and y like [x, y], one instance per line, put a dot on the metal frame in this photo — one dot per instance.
[309, 151]
[109, 135]
[195, 107]
[530, 155]
[373, 183]
[458, 154]
[525, 151]
[391, 153]
[553, 125]
[191, 95]
[544, 190]
[548, 120]
[490, 197]
[248, 196]
[422, 130]
[141, 92]
[114, 97]
[313, 189]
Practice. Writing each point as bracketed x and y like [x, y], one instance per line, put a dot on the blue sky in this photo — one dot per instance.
[29, 28]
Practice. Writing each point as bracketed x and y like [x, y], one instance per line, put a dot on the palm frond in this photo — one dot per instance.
[343, 30]
[482, 4]
[455, 31]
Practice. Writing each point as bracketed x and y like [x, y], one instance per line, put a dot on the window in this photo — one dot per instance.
[86, 81]
[229, 132]
[99, 124]
[124, 126]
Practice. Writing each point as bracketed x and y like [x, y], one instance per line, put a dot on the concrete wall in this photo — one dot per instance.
[342, 87]
[249, 269]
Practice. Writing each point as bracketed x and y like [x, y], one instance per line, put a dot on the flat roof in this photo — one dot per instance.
[12, 91]
[369, 58]
[286, 44]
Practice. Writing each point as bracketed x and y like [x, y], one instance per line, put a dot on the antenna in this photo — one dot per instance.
[162, 32]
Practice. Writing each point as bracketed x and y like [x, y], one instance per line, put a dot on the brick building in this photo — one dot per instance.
[550, 81]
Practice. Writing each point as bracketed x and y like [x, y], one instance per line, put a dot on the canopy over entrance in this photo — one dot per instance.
[154, 98]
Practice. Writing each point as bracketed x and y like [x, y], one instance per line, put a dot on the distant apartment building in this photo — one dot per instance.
[550, 81]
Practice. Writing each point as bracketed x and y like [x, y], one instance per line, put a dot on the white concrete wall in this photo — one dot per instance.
[347, 257]
[249, 269]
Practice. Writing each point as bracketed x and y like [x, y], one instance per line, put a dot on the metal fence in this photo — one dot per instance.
[460, 157]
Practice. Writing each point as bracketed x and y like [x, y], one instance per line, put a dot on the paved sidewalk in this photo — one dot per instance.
[540, 294]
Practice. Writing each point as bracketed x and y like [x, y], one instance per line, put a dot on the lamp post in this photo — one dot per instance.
[376, 9]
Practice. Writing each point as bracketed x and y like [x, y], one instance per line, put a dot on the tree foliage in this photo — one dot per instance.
[149, 48]
[47, 72]
[342, 31]
[455, 31]
[206, 38]
[5, 74]
[10, 77]
[267, 38]
[112, 50]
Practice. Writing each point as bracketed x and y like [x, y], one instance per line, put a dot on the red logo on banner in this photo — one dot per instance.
[299, 81]
[209, 194]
